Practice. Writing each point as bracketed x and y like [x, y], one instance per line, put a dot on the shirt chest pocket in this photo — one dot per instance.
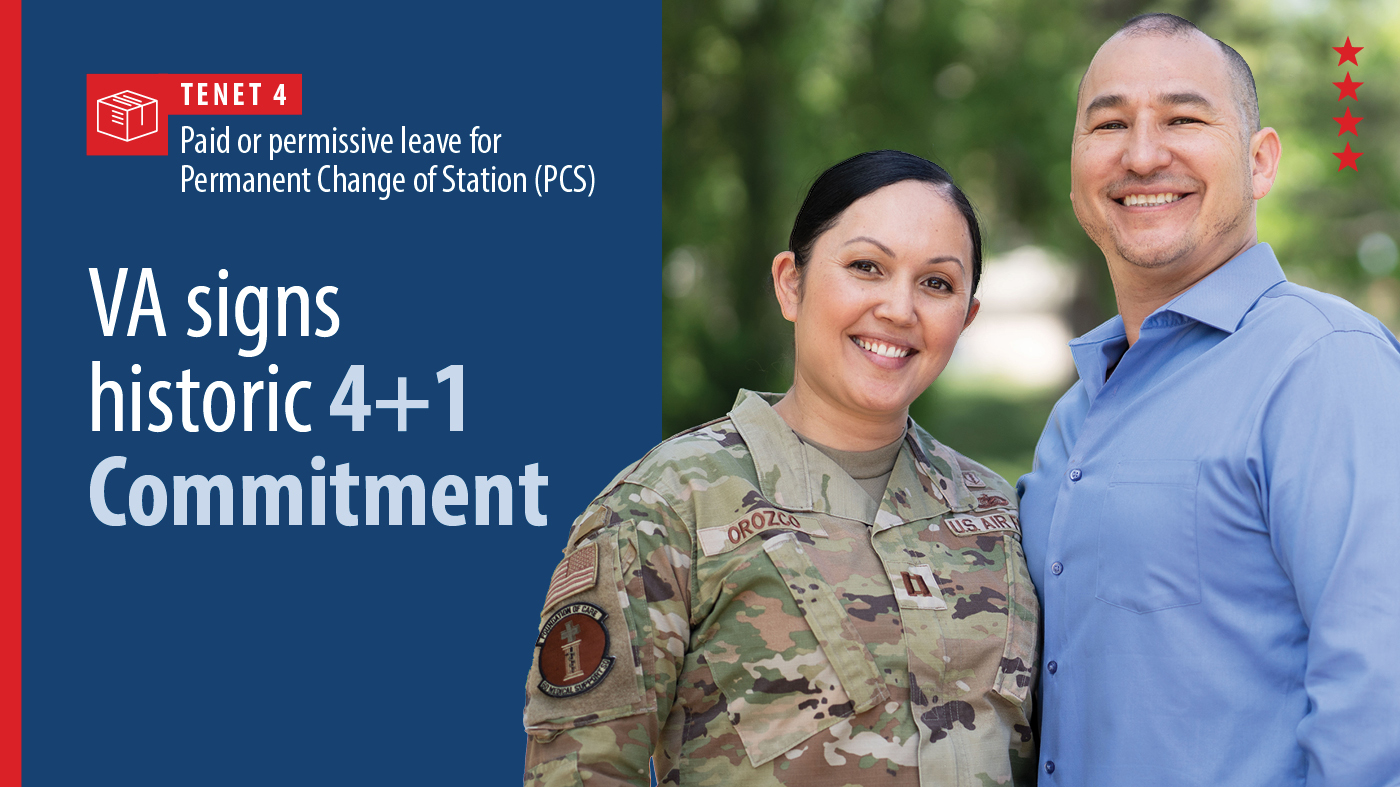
[786, 656]
[1147, 544]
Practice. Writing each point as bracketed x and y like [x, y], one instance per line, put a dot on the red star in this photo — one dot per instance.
[1348, 158]
[1348, 52]
[1348, 87]
[1348, 123]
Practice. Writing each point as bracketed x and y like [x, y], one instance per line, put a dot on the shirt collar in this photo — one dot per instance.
[1095, 350]
[1220, 300]
[924, 483]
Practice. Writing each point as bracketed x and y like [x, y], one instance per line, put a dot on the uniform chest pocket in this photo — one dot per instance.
[990, 625]
[1147, 546]
[789, 673]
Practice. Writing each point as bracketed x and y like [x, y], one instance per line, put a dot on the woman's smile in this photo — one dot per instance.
[878, 307]
[883, 349]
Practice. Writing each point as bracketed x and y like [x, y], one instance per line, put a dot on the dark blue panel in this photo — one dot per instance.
[237, 655]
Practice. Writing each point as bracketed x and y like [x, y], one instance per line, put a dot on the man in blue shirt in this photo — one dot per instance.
[1213, 519]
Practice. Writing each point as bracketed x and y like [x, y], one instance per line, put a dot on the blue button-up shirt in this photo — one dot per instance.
[1214, 530]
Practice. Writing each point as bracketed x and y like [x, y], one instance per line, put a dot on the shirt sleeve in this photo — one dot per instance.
[606, 734]
[1328, 465]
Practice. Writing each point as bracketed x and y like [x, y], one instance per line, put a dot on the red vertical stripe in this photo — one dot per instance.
[10, 562]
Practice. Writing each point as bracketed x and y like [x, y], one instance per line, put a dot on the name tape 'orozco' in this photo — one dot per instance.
[716, 540]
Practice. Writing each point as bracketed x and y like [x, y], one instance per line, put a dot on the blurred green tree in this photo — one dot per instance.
[759, 96]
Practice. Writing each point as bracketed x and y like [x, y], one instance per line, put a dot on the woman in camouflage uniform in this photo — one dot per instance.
[810, 590]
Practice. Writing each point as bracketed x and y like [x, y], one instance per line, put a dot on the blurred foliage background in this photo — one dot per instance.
[759, 96]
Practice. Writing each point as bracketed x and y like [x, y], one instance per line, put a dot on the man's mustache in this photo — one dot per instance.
[1152, 185]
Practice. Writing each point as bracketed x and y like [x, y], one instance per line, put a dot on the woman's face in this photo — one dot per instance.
[885, 295]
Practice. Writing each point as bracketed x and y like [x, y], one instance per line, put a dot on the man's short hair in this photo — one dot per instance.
[1240, 74]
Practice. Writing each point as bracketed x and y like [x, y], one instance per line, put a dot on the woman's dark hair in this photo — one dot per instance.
[841, 185]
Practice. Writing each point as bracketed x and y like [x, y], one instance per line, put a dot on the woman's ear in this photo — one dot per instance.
[787, 284]
[973, 307]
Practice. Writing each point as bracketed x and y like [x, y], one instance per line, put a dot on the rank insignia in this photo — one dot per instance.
[573, 650]
[917, 588]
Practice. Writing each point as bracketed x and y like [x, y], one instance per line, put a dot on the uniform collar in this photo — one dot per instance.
[925, 482]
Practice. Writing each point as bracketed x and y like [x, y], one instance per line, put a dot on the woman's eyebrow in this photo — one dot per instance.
[887, 250]
[872, 241]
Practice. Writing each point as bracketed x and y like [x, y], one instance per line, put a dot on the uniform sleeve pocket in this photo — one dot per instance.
[801, 672]
[585, 667]
[1147, 550]
[562, 772]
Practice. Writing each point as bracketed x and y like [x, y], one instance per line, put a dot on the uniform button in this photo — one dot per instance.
[1075, 474]
[1049, 766]
[1057, 567]
[1052, 666]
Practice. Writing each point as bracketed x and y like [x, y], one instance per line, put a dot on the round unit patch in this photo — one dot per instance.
[573, 650]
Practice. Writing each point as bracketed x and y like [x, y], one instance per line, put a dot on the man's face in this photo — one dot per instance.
[1162, 171]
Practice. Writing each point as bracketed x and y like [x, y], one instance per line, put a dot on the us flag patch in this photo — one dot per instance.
[578, 572]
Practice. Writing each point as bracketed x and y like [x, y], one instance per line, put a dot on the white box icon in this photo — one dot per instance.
[127, 115]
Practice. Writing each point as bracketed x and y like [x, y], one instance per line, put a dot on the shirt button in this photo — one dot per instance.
[1052, 666]
[1057, 567]
[1075, 474]
[1049, 766]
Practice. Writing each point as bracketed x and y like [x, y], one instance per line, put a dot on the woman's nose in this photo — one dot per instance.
[896, 304]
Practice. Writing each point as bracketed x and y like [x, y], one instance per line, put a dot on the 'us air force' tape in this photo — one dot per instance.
[993, 522]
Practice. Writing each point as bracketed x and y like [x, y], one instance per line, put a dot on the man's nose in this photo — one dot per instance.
[1146, 152]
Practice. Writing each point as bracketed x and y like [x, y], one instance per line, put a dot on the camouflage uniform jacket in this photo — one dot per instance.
[736, 605]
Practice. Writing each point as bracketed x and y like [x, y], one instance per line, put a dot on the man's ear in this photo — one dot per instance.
[1264, 152]
[787, 284]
